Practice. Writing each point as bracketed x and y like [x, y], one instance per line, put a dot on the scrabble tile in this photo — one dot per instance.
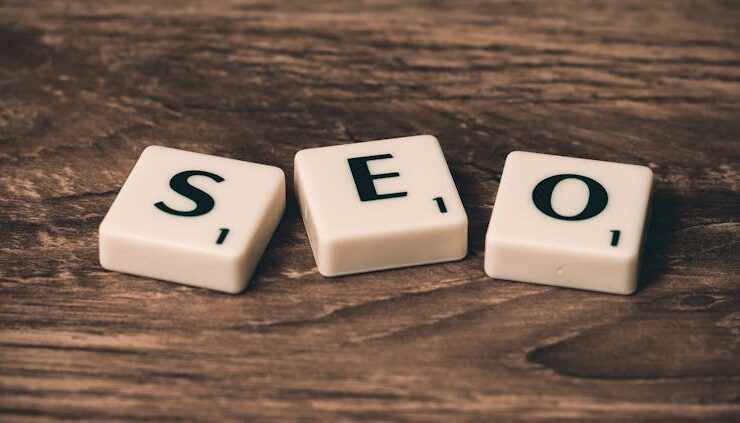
[569, 222]
[192, 218]
[379, 205]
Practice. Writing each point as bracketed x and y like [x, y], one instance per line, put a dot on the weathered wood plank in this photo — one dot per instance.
[84, 87]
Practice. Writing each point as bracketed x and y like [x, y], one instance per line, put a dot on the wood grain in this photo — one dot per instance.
[85, 86]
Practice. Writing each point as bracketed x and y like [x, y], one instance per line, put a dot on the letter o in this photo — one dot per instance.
[597, 197]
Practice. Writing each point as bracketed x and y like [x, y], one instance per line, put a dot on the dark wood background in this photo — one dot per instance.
[85, 86]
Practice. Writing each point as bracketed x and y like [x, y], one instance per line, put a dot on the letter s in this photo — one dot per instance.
[203, 202]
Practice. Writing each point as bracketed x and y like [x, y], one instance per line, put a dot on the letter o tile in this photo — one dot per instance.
[569, 222]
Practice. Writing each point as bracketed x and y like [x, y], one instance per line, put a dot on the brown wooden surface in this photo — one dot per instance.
[85, 86]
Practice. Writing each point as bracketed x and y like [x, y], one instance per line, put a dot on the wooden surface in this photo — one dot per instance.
[85, 86]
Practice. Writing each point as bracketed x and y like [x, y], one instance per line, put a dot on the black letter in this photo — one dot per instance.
[179, 183]
[364, 179]
[597, 197]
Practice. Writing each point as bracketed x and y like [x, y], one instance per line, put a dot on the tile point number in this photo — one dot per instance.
[441, 204]
[615, 237]
[222, 236]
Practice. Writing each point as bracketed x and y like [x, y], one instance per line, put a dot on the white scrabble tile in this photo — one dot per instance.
[569, 222]
[192, 218]
[379, 205]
